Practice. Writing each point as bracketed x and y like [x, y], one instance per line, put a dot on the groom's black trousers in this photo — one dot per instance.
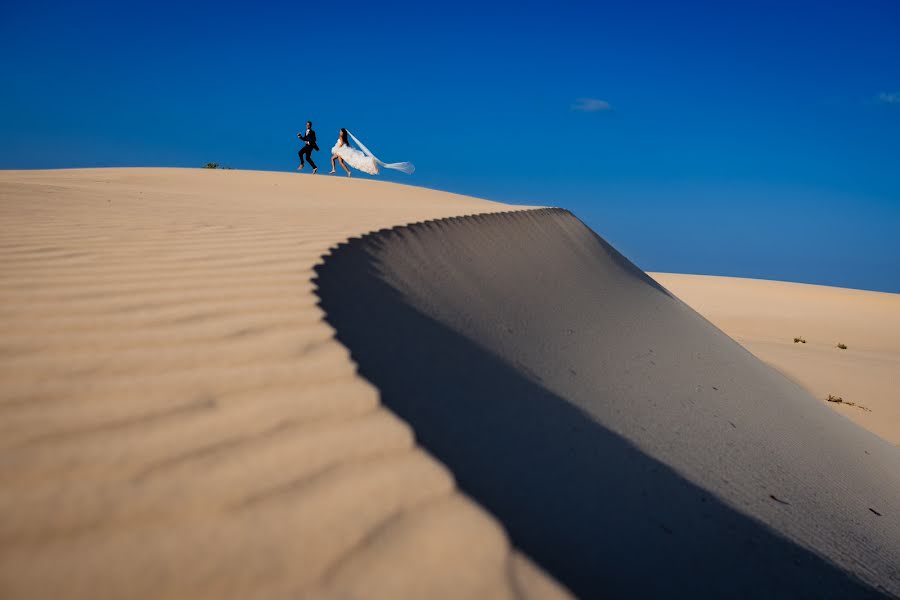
[307, 150]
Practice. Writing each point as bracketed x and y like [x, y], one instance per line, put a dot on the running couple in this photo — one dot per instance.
[361, 159]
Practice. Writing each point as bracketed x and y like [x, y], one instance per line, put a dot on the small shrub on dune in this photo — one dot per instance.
[799, 340]
[211, 166]
[842, 346]
[839, 400]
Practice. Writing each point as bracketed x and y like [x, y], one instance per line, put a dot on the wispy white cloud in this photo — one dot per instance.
[591, 105]
[888, 98]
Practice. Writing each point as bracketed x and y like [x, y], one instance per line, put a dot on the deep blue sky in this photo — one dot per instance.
[752, 139]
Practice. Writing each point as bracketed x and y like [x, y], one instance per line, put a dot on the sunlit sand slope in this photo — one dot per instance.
[176, 420]
[766, 317]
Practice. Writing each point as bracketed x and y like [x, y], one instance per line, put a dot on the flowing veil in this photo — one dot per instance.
[406, 167]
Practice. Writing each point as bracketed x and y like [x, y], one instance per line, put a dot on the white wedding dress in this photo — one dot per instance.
[356, 159]
[363, 159]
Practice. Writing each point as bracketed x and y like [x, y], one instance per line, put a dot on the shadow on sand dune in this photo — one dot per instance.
[603, 517]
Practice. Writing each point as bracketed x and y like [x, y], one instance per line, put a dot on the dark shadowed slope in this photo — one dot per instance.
[626, 444]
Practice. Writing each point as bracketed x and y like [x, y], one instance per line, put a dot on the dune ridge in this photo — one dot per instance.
[178, 421]
[626, 443]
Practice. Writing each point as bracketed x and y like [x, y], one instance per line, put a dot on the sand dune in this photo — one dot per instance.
[627, 445]
[508, 403]
[177, 420]
[766, 316]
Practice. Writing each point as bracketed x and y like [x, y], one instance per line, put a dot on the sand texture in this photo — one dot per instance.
[629, 447]
[766, 316]
[177, 421]
[208, 391]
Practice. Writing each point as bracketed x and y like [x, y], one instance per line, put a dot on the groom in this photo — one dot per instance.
[308, 147]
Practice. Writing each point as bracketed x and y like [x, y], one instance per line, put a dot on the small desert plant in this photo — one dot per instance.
[842, 346]
[839, 400]
[211, 166]
[799, 340]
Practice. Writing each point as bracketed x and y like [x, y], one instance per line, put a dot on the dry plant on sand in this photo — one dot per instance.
[839, 400]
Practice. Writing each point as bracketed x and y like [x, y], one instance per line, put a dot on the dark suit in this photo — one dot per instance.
[310, 139]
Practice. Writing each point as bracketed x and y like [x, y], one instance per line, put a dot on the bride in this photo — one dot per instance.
[361, 159]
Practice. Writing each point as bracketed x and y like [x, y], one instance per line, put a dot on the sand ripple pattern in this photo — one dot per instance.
[176, 419]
